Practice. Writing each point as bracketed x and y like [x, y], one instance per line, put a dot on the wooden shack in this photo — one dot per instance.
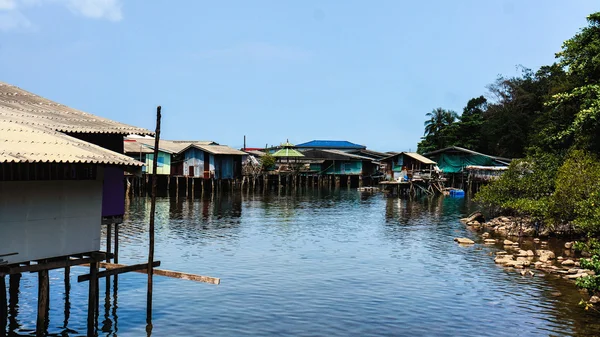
[408, 165]
[454, 160]
[338, 162]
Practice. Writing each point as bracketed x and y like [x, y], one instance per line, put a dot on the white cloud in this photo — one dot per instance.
[8, 4]
[12, 17]
[97, 9]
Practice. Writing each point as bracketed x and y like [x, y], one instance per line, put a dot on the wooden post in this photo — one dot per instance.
[92, 298]
[43, 301]
[3, 305]
[151, 230]
[108, 240]
[13, 290]
[116, 253]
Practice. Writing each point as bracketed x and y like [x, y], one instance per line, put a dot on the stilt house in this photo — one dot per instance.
[61, 177]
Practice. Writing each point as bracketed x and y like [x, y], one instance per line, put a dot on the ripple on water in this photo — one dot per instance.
[314, 264]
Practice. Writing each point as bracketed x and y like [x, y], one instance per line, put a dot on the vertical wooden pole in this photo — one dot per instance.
[43, 301]
[92, 298]
[116, 253]
[108, 241]
[3, 306]
[13, 289]
[151, 230]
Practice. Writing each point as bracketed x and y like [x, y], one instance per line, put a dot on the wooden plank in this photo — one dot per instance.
[167, 273]
[114, 269]
[186, 276]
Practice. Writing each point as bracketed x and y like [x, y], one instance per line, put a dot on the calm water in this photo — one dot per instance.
[313, 264]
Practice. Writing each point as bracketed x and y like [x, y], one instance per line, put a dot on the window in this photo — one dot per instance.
[160, 162]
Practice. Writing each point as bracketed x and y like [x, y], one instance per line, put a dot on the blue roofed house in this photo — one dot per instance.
[343, 145]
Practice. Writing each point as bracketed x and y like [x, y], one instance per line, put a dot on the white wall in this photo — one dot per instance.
[44, 219]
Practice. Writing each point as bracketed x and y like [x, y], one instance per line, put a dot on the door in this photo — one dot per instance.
[191, 171]
[206, 166]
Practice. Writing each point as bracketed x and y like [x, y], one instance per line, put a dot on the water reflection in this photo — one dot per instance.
[302, 262]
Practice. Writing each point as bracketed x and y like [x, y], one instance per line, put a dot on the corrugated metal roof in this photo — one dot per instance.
[346, 154]
[133, 146]
[413, 155]
[20, 106]
[462, 149]
[420, 158]
[220, 149]
[22, 143]
[331, 144]
[173, 146]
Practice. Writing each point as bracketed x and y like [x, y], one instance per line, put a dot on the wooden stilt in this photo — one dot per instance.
[13, 305]
[3, 306]
[116, 252]
[108, 240]
[43, 301]
[92, 298]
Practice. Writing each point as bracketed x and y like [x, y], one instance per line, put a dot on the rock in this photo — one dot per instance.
[573, 271]
[538, 264]
[544, 243]
[536, 240]
[464, 241]
[577, 264]
[523, 272]
[568, 245]
[485, 235]
[508, 242]
[489, 241]
[475, 216]
[504, 219]
[501, 252]
[568, 263]
[556, 293]
[474, 223]
[522, 253]
[560, 258]
[546, 255]
[530, 253]
[594, 299]
[576, 276]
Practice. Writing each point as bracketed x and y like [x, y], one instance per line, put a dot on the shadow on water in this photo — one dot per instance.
[311, 262]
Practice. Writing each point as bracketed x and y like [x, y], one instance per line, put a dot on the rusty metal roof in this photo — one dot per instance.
[20, 106]
[23, 143]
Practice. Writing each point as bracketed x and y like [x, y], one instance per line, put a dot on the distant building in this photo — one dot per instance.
[343, 145]
[454, 160]
[337, 162]
[408, 165]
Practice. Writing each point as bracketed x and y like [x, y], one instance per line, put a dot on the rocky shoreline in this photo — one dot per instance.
[528, 255]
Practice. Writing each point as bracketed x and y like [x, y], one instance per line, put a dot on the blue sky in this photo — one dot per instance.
[275, 70]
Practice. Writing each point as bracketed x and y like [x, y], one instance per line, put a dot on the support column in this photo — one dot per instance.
[3, 306]
[92, 299]
[43, 302]
[13, 290]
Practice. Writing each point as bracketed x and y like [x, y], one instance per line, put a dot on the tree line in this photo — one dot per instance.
[550, 120]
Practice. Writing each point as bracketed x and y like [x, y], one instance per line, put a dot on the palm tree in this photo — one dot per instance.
[438, 119]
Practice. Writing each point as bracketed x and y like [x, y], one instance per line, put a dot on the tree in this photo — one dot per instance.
[469, 133]
[437, 128]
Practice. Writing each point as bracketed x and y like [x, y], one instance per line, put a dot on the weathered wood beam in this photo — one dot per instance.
[43, 301]
[116, 270]
[161, 272]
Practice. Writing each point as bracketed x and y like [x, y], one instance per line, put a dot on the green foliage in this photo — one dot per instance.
[576, 198]
[267, 162]
[591, 282]
[525, 188]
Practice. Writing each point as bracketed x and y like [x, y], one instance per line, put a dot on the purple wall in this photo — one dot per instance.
[113, 192]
